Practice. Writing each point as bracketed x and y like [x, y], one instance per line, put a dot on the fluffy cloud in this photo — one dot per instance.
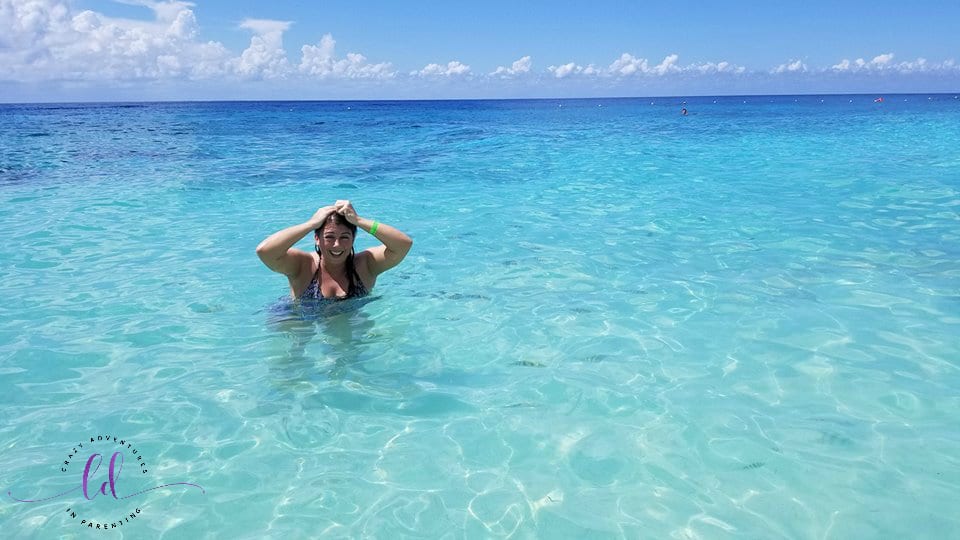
[878, 62]
[884, 63]
[42, 40]
[882, 60]
[669, 65]
[437, 70]
[565, 70]
[794, 66]
[628, 65]
[572, 68]
[319, 60]
[265, 57]
[720, 67]
[517, 68]
[46, 40]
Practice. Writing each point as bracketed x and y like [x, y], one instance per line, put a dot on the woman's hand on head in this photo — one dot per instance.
[345, 209]
[321, 215]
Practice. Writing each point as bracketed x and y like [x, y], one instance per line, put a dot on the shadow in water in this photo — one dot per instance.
[320, 343]
[322, 372]
[319, 332]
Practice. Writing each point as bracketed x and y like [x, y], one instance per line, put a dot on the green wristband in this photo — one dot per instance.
[373, 228]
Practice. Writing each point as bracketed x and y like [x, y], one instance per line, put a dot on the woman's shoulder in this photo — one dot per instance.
[361, 262]
[306, 264]
[307, 270]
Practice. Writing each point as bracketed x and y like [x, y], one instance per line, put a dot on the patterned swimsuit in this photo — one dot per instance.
[357, 289]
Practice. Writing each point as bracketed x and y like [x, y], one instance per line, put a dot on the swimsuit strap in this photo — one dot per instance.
[356, 287]
[360, 289]
[317, 277]
[313, 286]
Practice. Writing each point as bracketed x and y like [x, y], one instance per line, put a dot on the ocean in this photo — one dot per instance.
[616, 321]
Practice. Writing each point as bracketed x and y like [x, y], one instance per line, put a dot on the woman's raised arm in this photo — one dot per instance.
[395, 246]
[275, 251]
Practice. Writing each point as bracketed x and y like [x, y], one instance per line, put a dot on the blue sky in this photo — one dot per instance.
[62, 50]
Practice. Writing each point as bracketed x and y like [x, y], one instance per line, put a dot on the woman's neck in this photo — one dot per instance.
[333, 268]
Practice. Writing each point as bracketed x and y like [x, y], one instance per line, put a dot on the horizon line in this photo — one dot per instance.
[430, 100]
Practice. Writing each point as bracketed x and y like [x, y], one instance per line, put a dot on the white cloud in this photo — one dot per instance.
[719, 67]
[42, 39]
[882, 60]
[565, 70]
[519, 67]
[438, 70]
[627, 64]
[45, 40]
[319, 60]
[669, 65]
[878, 63]
[885, 63]
[183, 26]
[844, 65]
[266, 27]
[265, 58]
[920, 64]
[794, 66]
[591, 70]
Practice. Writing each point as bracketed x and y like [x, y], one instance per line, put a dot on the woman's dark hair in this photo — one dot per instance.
[336, 219]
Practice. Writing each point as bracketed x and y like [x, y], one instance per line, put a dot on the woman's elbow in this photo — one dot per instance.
[408, 245]
[263, 252]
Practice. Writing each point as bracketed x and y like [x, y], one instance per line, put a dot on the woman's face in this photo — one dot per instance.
[335, 243]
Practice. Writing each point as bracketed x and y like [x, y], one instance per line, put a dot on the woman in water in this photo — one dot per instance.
[334, 271]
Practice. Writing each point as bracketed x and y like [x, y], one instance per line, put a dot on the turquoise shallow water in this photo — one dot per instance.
[616, 321]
